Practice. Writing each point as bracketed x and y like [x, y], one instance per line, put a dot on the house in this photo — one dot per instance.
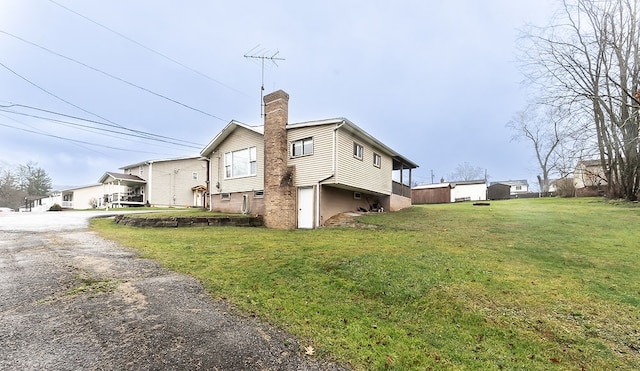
[516, 187]
[589, 173]
[86, 197]
[177, 182]
[302, 174]
[470, 190]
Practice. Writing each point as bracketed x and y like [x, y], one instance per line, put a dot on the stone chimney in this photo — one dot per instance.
[279, 188]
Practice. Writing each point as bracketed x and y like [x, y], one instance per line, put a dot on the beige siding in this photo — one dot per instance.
[358, 173]
[240, 139]
[318, 166]
[174, 178]
[83, 196]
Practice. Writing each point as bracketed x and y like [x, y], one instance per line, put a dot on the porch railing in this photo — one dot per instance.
[400, 189]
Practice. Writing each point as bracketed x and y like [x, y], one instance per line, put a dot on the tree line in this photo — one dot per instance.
[583, 70]
[21, 182]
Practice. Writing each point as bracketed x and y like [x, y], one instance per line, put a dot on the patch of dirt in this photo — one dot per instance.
[348, 220]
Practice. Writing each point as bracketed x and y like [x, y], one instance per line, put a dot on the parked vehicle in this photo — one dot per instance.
[6, 210]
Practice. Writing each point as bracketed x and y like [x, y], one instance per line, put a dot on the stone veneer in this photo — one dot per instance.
[279, 187]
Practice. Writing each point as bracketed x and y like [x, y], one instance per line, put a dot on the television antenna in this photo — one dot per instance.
[262, 55]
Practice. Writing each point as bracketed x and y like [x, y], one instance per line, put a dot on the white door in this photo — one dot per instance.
[305, 207]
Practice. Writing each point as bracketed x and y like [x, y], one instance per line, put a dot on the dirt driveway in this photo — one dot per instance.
[70, 300]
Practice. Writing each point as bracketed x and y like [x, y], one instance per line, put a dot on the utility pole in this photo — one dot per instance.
[262, 55]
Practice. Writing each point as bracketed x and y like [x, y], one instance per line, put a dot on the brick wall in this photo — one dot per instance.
[279, 188]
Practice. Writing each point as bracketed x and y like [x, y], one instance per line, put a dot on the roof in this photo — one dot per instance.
[449, 184]
[148, 162]
[215, 142]
[512, 182]
[432, 186]
[468, 182]
[340, 123]
[124, 178]
[589, 163]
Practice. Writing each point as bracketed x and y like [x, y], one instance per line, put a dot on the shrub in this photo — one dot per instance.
[55, 207]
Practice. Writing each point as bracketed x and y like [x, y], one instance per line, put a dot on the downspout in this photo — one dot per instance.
[333, 173]
[150, 182]
[210, 176]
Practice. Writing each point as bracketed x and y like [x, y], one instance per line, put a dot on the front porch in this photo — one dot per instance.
[123, 190]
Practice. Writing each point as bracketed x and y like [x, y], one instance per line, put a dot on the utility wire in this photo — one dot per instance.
[143, 134]
[93, 129]
[79, 141]
[46, 133]
[148, 48]
[112, 76]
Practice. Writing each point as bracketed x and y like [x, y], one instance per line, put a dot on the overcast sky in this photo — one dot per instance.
[435, 80]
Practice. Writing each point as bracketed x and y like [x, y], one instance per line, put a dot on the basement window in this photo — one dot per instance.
[225, 196]
[258, 194]
[357, 195]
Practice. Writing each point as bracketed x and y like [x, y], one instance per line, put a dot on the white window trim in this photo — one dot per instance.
[302, 146]
[377, 157]
[252, 164]
[359, 154]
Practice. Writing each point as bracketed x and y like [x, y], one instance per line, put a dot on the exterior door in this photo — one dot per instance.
[305, 207]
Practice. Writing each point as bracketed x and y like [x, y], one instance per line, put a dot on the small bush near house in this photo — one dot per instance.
[565, 188]
[55, 207]
[93, 202]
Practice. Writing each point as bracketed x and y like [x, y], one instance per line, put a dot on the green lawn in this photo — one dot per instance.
[521, 284]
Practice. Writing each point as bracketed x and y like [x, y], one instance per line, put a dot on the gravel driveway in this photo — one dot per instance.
[70, 300]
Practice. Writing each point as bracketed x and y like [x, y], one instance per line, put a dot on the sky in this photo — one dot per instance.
[91, 86]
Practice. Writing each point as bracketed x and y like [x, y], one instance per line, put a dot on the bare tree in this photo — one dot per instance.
[545, 127]
[466, 171]
[588, 61]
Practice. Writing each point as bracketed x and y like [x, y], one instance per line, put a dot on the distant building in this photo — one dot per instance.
[470, 190]
[516, 187]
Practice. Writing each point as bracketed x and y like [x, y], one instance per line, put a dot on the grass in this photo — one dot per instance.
[521, 284]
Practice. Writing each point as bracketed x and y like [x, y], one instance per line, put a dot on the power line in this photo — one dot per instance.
[111, 76]
[79, 141]
[94, 129]
[143, 134]
[148, 48]
[46, 133]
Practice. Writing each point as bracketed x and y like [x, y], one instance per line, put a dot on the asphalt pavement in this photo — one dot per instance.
[70, 300]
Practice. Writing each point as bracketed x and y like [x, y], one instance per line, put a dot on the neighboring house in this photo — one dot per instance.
[589, 173]
[301, 174]
[516, 187]
[79, 198]
[176, 182]
[122, 190]
[472, 190]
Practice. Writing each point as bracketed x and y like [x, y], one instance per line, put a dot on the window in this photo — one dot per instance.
[240, 163]
[258, 194]
[518, 188]
[302, 147]
[377, 160]
[358, 151]
[194, 175]
[141, 171]
[225, 196]
[357, 195]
